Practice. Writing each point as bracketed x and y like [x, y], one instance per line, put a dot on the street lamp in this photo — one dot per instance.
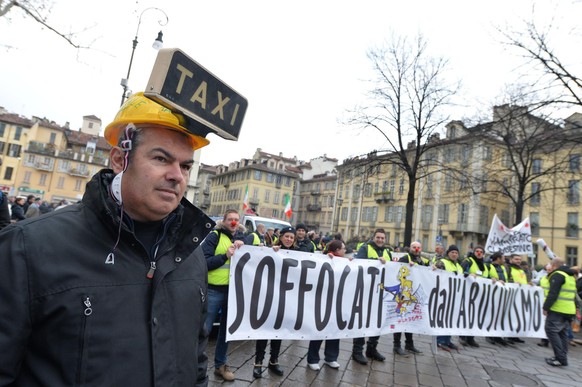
[339, 202]
[158, 43]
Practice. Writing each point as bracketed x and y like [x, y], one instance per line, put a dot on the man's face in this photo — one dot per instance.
[439, 250]
[516, 260]
[231, 221]
[415, 248]
[300, 233]
[479, 253]
[157, 175]
[453, 255]
[379, 239]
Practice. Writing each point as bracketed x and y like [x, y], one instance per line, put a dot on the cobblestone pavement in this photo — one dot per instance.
[489, 365]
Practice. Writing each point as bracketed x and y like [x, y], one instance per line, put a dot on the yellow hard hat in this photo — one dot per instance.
[138, 109]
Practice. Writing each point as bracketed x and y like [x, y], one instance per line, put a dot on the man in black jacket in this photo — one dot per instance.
[112, 291]
[4, 212]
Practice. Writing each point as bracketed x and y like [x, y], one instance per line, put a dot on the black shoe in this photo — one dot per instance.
[400, 351]
[359, 358]
[276, 368]
[373, 354]
[472, 343]
[258, 371]
[412, 349]
[444, 347]
[463, 341]
[490, 340]
[543, 343]
[555, 362]
[516, 340]
[453, 346]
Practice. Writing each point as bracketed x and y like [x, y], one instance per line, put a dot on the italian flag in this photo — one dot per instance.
[246, 199]
[288, 210]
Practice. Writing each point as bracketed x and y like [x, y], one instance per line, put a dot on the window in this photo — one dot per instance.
[27, 176]
[487, 154]
[14, 150]
[258, 175]
[277, 197]
[505, 217]
[399, 212]
[367, 190]
[401, 187]
[426, 216]
[2, 129]
[2, 147]
[8, 173]
[535, 194]
[465, 154]
[443, 214]
[356, 193]
[354, 215]
[90, 125]
[571, 256]
[61, 182]
[483, 216]
[267, 196]
[574, 192]
[536, 166]
[572, 226]
[270, 178]
[275, 213]
[17, 133]
[574, 163]
[534, 220]
[448, 183]
[462, 214]
[42, 180]
[389, 214]
[78, 184]
[255, 194]
[53, 138]
[344, 216]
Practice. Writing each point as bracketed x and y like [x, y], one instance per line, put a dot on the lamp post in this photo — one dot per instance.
[339, 202]
[158, 43]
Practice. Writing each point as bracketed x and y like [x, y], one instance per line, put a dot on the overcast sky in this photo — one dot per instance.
[301, 64]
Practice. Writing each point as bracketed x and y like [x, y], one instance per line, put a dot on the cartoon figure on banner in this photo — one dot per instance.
[403, 292]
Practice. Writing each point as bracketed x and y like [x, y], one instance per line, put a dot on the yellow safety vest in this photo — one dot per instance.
[451, 266]
[219, 276]
[474, 268]
[425, 260]
[545, 284]
[518, 275]
[565, 303]
[493, 271]
[373, 254]
[256, 239]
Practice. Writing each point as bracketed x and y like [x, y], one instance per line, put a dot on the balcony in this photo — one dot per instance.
[78, 172]
[44, 167]
[383, 197]
[41, 148]
[315, 193]
[254, 201]
[314, 207]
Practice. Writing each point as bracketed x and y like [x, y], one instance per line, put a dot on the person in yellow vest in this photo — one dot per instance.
[559, 309]
[412, 258]
[218, 248]
[473, 265]
[497, 272]
[257, 237]
[270, 238]
[374, 249]
[516, 274]
[449, 263]
[545, 285]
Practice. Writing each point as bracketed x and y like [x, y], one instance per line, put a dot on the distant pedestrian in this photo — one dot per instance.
[18, 210]
[34, 209]
[4, 211]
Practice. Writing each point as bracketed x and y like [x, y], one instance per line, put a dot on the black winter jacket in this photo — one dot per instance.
[69, 319]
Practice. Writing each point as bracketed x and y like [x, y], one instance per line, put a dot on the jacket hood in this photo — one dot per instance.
[566, 270]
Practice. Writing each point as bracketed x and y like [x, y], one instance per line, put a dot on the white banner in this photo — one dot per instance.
[301, 296]
[515, 240]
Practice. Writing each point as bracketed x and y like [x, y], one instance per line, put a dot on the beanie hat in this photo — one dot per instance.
[285, 230]
[452, 248]
[301, 226]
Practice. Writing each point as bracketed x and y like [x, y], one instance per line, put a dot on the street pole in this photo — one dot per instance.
[157, 45]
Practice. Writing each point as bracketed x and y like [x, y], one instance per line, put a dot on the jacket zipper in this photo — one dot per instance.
[82, 362]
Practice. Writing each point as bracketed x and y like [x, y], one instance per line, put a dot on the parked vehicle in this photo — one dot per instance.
[250, 222]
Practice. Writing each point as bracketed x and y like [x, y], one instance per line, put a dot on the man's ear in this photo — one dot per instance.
[117, 158]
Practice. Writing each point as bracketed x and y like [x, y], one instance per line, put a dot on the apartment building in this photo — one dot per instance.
[13, 137]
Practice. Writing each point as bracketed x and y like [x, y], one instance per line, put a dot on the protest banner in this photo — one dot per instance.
[305, 296]
[515, 240]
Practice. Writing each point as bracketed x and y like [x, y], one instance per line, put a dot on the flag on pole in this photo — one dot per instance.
[246, 199]
[288, 210]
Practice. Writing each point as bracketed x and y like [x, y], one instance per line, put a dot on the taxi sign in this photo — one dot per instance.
[184, 86]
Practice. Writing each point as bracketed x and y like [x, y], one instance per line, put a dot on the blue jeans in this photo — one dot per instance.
[218, 303]
[330, 353]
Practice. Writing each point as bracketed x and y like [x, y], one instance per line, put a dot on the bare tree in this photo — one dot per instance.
[39, 10]
[407, 98]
